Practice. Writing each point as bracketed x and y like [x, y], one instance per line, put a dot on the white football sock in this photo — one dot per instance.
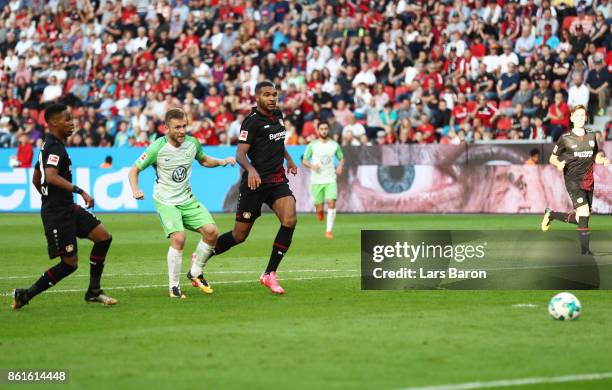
[175, 261]
[331, 217]
[202, 254]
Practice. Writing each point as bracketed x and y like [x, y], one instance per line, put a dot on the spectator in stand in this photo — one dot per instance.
[559, 114]
[598, 83]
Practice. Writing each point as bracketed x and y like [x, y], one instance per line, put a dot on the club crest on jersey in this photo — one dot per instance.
[69, 248]
[53, 159]
[592, 143]
[243, 135]
[246, 215]
[180, 174]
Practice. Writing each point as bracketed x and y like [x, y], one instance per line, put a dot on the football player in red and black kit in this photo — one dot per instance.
[63, 220]
[262, 140]
[576, 154]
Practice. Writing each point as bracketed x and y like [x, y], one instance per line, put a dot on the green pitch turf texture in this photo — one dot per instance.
[324, 333]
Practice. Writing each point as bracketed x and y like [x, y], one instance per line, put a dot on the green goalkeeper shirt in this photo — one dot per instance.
[173, 168]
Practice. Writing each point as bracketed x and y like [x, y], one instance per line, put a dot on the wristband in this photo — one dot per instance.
[77, 190]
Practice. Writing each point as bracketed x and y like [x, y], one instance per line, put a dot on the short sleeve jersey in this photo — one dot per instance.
[53, 154]
[323, 153]
[579, 156]
[266, 135]
[173, 168]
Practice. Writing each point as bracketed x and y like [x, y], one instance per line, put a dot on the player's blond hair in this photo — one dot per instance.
[578, 107]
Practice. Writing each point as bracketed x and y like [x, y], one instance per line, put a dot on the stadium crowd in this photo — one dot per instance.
[399, 71]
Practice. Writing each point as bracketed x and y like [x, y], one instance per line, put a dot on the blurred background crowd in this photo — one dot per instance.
[387, 71]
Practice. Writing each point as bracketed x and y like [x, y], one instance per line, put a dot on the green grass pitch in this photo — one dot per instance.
[324, 333]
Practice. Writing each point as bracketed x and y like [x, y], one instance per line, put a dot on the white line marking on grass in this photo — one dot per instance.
[165, 285]
[517, 382]
[207, 273]
[524, 305]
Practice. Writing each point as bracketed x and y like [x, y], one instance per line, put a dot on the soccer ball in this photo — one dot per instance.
[564, 306]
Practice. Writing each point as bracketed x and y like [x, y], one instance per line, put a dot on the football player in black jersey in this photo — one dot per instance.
[576, 154]
[261, 152]
[63, 220]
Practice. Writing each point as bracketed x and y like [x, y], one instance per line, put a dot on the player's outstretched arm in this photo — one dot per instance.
[133, 177]
[211, 162]
[53, 179]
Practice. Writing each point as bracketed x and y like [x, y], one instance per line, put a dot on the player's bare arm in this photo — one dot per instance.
[53, 179]
[554, 160]
[36, 180]
[254, 181]
[340, 167]
[291, 167]
[133, 177]
[212, 162]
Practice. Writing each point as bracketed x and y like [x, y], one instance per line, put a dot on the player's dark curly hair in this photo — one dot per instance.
[263, 84]
[53, 110]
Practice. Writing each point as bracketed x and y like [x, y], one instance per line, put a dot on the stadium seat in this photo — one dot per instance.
[567, 22]
[68, 86]
[504, 123]
[471, 106]
[505, 104]
[391, 92]
[41, 118]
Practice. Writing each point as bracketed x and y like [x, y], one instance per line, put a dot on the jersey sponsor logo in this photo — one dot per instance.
[585, 154]
[243, 135]
[143, 157]
[53, 159]
[326, 160]
[180, 174]
[278, 136]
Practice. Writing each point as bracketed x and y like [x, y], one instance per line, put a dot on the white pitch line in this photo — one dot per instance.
[166, 285]
[517, 382]
[207, 273]
[524, 305]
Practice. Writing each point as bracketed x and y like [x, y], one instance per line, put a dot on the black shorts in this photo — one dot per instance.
[64, 225]
[250, 202]
[580, 196]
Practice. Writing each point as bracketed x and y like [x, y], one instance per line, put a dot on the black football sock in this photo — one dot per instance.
[96, 261]
[585, 234]
[564, 217]
[224, 242]
[50, 278]
[280, 247]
